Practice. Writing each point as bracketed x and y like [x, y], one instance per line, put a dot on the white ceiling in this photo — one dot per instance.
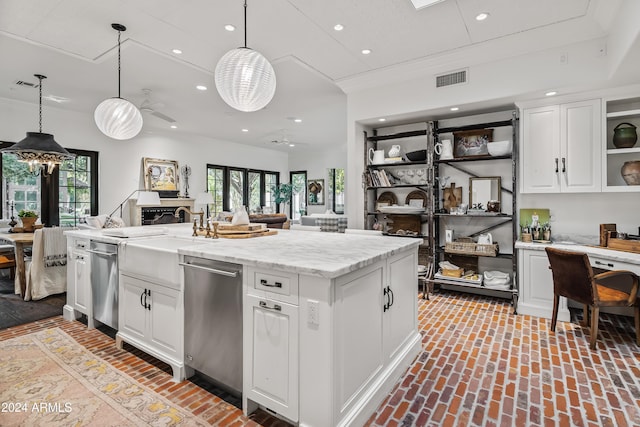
[72, 42]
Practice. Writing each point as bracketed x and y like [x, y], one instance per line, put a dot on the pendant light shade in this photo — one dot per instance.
[244, 78]
[116, 117]
[39, 150]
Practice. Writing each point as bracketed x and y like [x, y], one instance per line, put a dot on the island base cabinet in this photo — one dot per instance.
[537, 286]
[151, 319]
[402, 311]
[271, 380]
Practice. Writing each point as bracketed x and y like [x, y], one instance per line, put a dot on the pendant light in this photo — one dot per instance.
[244, 78]
[116, 117]
[39, 150]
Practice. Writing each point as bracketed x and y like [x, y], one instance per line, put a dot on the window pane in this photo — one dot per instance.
[19, 187]
[74, 199]
[215, 186]
[255, 185]
[336, 190]
[236, 189]
[270, 181]
[299, 195]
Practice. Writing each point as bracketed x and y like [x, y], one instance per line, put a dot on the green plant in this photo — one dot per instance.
[282, 193]
[27, 214]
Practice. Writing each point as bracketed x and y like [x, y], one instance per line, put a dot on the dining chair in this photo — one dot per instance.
[573, 278]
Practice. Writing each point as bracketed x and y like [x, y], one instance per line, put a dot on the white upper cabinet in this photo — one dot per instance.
[561, 148]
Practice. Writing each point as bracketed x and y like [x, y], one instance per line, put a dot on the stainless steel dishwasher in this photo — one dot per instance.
[104, 282]
[213, 320]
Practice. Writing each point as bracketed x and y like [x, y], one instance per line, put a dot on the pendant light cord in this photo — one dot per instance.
[40, 77]
[119, 63]
[245, 24]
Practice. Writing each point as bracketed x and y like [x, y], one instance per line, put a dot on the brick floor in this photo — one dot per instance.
[480, 366]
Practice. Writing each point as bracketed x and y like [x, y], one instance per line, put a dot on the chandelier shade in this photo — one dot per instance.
[245, 79]
[39, 150]
[118, 118]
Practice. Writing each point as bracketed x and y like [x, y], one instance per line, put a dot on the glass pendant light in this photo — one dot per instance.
[244, 78]
[39, 150]
[116, 117]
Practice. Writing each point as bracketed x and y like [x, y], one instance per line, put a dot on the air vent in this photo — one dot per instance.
[454, 78]
[26, 84]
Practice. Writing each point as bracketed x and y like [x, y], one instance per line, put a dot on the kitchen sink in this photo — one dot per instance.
[157, 257]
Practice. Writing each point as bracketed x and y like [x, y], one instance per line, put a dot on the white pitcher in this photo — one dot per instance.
[394, 151]
[444, 149]
[376, 157]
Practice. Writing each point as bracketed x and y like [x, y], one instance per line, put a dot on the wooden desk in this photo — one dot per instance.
[19, 241]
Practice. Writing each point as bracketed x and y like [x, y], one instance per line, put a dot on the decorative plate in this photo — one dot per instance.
[417, 195]
[387, 197]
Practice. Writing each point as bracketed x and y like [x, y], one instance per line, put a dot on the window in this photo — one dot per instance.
[232, 187]
[63, 198]
[335, 197]
[298, 194]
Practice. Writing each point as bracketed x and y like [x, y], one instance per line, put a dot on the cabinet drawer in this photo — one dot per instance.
[608, 264]
[278, 285]
[79, 243]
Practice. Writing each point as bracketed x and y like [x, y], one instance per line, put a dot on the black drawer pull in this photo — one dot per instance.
[608, 264]
[263, 282]
[275, 307]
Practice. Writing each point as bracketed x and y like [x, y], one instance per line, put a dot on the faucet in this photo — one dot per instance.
[185, 209]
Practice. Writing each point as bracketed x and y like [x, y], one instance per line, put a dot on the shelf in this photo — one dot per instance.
[397, 135]
[470, 285]
[500, 255]
[623, 114]
[476, 126]
[613, 151]
[501, 215]
[385, 165]
[389, 213]
[400, 186]
[472, 159]
[418, 236]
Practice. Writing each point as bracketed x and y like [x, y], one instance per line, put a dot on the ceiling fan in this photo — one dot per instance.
[149, 107]
[284, 141]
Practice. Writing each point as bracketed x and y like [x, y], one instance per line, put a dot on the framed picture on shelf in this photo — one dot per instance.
[315, 192]
[471, 143]
[161, 176]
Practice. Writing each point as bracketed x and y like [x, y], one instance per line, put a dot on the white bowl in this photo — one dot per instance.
[499, 148]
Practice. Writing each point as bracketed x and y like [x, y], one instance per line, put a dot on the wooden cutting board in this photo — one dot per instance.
[452, 196]
[244, 227]
[247, 234]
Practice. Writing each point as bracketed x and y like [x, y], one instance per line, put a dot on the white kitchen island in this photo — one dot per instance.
[329, 320]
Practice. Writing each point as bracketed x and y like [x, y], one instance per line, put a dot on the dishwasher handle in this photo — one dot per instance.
[211, 270]
[93, 251]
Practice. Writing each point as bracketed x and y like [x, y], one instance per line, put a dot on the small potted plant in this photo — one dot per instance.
[546, 231]
[28, 218]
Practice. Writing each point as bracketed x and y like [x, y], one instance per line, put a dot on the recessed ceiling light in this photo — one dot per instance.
[382, 120]
[482, 16]
[292, 145]
[229, 27]
[174, 127]
[366, 51]
[201, 87]
[454, 108]
[177, 51]
[551, 93]
[338, 27]
[297, 120]
[245, 130]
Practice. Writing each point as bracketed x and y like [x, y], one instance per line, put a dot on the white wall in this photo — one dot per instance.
[120, 162]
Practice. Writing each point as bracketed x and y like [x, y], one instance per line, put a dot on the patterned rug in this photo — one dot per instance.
[48, 379]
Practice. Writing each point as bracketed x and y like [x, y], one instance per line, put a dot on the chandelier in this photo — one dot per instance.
[39, 150]
[244, 78]
[116, 117]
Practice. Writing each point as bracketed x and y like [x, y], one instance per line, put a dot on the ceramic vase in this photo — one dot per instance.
[631, 172]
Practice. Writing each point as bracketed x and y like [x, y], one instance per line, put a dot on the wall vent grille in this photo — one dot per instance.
[454, 78]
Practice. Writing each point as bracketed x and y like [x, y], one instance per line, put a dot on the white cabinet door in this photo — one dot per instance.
[273, 346]
[165, 323]
[132, 312]
[536, 286]
[81, 267]
[581, 146]
[540, 150]
[401, 316]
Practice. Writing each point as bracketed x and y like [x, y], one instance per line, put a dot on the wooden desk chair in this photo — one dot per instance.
[8, 259]
[573, 278]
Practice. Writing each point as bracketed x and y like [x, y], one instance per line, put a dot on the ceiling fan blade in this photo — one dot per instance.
[163, 117]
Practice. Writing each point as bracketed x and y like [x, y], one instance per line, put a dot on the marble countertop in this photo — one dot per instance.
[327, 255]
[611, 254]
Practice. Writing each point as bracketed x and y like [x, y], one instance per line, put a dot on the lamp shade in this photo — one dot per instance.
[203, 198]
[39, 147]
[118, 118]
[245, 79]
[148, 198]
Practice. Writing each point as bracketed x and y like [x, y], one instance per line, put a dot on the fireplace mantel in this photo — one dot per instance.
[135, 210]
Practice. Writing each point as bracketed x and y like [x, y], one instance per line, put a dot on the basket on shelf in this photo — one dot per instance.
[451, 272]
[466, 246]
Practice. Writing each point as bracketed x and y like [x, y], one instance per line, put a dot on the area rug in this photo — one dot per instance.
[48, 379]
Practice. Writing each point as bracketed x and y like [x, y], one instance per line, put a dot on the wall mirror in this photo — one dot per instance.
[483, 189]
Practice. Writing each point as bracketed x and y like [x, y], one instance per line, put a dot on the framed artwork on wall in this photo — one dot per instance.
[162, 176]
[471, 143]
[315, 192]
